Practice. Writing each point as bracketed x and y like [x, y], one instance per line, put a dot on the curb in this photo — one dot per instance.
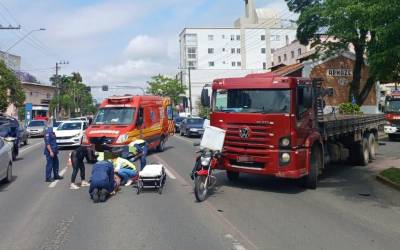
[388, 182]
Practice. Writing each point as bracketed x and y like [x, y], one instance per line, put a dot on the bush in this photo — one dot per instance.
[349, 109]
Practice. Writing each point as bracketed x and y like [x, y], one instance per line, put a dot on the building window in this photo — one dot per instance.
[239, 64]
[238, 37]
[299, 51]
[48, 96]
[191, 38]
[223, 49]
[279, 59]
[292, 54]
[238, 51]
[211, 64]
[284, 57]
[223, 62]
[262, 37]
[232, 37]
[223, 36]
[233, 51]
[233, 64]
[192, 64]
[264, 65]
[275, 38]
[210, 37]
[192, 53]
[287, 39]
[263, 51]
[210, 50]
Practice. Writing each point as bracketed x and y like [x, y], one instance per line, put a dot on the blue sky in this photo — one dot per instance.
[110, 41]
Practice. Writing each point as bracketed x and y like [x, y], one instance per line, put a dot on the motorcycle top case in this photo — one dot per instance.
[213, 138]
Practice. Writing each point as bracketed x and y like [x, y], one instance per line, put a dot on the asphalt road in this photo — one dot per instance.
[350, 210]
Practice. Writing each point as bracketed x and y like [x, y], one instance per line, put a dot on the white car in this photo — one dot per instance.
[70, 133]
[5, 160]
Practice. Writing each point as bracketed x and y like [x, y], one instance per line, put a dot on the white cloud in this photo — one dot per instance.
[95, 19]
[145, 47]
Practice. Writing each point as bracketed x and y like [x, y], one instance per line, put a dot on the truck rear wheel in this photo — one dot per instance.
[361, 152]
[372, 146]
[310, 181]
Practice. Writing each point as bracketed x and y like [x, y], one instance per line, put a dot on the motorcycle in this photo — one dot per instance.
[202, 174]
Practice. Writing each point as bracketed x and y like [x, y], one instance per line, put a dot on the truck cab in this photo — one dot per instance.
[269, 122]
[392, 115]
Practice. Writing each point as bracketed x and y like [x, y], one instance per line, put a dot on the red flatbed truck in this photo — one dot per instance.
[275, 126]
[392, 115]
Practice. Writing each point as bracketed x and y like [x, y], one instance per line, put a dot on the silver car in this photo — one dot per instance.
[5, 160]
[36, 128]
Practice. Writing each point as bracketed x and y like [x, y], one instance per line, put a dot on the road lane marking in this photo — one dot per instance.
[170, 175]
[62, 172]
[31, 146]
[218, 216]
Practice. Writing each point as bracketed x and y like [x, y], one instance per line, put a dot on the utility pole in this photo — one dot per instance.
[190, 93]
[58, 87]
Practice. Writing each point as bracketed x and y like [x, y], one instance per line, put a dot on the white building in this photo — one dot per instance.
[247, 47]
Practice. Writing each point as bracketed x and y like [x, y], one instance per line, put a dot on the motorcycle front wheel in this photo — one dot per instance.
[200, 188]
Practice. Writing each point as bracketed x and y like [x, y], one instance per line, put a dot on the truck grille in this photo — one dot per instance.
[257, 143]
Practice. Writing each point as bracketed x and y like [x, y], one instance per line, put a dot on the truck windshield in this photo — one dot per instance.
[115, 116]
[252, 101]
[393, 106]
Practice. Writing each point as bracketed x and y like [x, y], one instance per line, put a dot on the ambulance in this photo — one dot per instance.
[123, 119]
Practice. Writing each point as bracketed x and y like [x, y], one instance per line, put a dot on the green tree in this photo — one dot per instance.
[365, 25]
[74, 98]
[11, 91]
[164, 86]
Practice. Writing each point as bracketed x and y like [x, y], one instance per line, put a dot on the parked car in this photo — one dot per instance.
[192, 126]
[177, 122]
[6, 160]
[36, 128]
[9, 129]
[70, 133]
[56, 124]
[23, 135]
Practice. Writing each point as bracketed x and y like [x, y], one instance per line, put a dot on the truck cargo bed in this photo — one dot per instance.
[335, 124]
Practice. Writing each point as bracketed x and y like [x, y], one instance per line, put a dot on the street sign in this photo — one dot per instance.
[28, 113]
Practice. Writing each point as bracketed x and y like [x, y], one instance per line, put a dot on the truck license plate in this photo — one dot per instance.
[244, 158]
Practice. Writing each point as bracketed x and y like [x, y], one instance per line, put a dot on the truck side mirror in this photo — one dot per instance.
[205, 98]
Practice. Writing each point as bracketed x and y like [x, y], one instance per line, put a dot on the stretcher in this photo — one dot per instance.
[152, 176]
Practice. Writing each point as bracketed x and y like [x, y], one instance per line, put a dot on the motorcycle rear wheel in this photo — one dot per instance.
[200, 189]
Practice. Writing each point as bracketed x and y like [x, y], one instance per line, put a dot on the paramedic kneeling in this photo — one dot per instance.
[102, 181]
[139, 148]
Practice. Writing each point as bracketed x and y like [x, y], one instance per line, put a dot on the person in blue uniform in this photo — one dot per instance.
[102, 182]
[51, 153]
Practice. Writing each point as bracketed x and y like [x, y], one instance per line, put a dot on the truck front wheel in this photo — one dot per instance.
[310, 181]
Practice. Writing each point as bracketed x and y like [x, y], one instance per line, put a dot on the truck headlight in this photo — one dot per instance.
[122, 138]
[284, 158]
[284, 142]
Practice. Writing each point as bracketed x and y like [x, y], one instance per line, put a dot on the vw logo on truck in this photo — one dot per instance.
[244, 133]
